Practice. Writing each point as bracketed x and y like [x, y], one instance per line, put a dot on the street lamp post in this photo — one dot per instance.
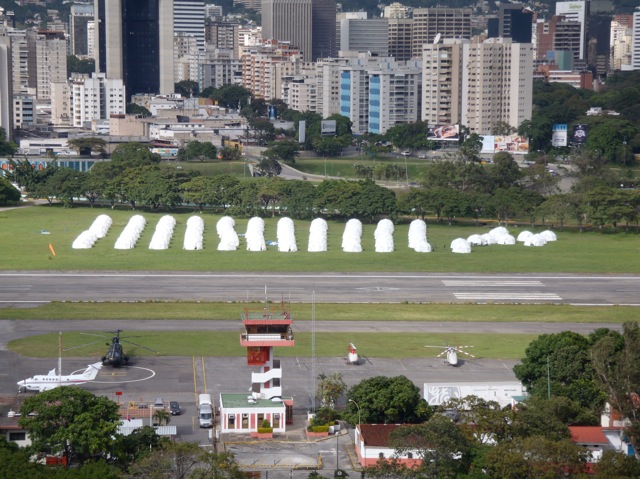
[357, 407]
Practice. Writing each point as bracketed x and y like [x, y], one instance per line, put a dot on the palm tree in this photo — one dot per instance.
[161, 416]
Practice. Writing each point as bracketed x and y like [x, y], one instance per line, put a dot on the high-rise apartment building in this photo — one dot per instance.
[219, 67]
[323, 34]
[289, 21]
[135, 43]
[621, 41]
[442, 81]
[635, 48]
[399, 34]
[577, 11]
[443, 21]
[377, 94]
[514, 21]
[47, 60]
[95, 97]
[20, 62]
[222, 35]
[79, 18]
[6, 90]
[370, 36]
[188, 19]
[23, 111]
[187, 58]
[308, 24]
[497, 84]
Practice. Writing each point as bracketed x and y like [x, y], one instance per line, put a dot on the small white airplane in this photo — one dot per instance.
[53, 380]
[452, 353]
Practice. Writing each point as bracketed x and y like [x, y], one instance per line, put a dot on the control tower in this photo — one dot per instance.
[263, 330]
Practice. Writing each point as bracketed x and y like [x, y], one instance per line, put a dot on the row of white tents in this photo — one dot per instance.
[286, 238]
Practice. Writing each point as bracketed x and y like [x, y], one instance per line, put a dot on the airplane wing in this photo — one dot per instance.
[47, 387]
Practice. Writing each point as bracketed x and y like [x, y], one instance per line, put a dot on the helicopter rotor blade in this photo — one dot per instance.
[93, 334]
[139, 345]
[82, 345]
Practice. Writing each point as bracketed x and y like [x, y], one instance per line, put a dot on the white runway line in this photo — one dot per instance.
[480, 282]
[512, 296]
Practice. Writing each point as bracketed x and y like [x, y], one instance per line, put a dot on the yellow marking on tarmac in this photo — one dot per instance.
[113, 374]
[195, 382]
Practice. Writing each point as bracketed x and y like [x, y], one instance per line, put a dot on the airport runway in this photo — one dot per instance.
[24, 289]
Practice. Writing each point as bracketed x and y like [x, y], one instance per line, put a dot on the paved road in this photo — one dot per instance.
[32, 288]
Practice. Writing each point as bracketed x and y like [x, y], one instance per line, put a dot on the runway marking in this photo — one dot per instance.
[509, 296]
[377, 288]
[151, 371]
[498, 282]
[34, 301]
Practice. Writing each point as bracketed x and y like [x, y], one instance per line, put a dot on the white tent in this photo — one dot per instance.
[506, 240]
[535, 240]
[229, 240]
[524, 235]
[255, 235]
[286, 235]
[549, 235]
[164, 232]
[384, 236]
[85, 240]
[496, 233]
[418, 236]
[477, 240]
[100, 226]
[131, 233]
[193, 236]
[460, 245]
[318, 235]
[352, 237]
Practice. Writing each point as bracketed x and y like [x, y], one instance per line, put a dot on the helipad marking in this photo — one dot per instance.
[152, 374]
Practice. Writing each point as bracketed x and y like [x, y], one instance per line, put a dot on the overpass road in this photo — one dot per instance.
[33, 288]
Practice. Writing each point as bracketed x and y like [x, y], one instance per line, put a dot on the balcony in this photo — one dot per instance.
[267, 338]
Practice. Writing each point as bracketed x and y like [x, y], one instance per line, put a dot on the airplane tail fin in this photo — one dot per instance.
[92, 371]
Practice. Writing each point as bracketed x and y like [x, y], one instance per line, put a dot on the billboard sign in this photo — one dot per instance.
[328, 127]
[444, 133]
[302, 131]
[272, 111]
[559, 135]
[580, 133]
[513, 144]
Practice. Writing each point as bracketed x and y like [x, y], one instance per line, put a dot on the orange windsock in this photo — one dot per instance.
[53, 252]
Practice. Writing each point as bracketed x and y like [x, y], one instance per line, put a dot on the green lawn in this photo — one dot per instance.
[223, 344]
[25, 247]
[472, 313]
[343, 166]
[211, 168]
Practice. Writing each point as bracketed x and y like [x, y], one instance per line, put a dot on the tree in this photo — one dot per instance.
[197, 150]
[561, 362]
[286, 151]
[219, 465]
[8, 193]
[536, 456]
[263, 130]
[132, 155]
[176, 460]
[618, 370]
[228, 96]
[505, 171]
[67, 184]
[385, 400]
[298, 198]
[330, 388]
[616, 465]
[135, 109]
[7, 148]
[269, 167]
[442, 446]
[227, 153]
[86, 146]
[161, 417]
[187, 88]
[76, 65]
[152, 186]
[485, 420]
[71, 421]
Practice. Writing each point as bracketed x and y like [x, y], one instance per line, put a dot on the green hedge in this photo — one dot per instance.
[318, 428]
[265, 430]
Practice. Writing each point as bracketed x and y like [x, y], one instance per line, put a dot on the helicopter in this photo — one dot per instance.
[115, 356]
[452, 353]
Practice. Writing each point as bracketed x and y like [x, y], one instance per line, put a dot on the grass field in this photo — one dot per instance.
[223, 344]
[472, 313]
[25, 247]
[343, 166]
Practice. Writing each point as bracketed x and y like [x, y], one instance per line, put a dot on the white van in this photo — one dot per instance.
[205, 410]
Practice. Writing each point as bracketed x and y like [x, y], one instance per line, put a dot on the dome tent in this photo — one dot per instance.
[193, 234]
[255, 235]
[535, 240]
[85, 240]
[524, 235]
[352, 237]
[418, 236]
[383, 236]
[163, 234]
[286, 236]
[131, 233]
[318, 235]
[460, 245]
[549, 235]
[225, 228]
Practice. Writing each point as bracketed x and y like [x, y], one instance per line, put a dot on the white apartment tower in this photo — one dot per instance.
[95, 97]
[50, 63]
[635, 49]
[442, 81]
[6, 93]
[188, 19]
[497, 84]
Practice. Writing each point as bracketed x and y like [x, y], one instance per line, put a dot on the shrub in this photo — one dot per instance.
[318, 428]
[324, 416]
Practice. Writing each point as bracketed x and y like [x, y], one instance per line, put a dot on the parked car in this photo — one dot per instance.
[174, 408]
[422, 156]
[158, 403]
